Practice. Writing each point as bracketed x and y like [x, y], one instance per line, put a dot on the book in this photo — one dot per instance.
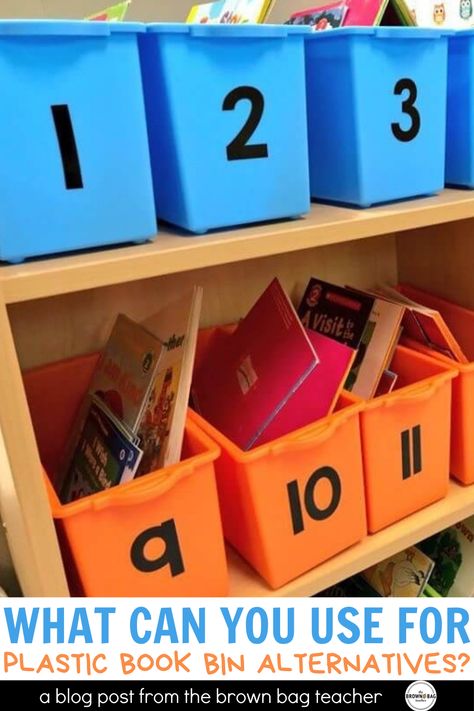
[231, 12]
[425, 325]
[114, 13]
[335, 311]
[459, 319]
[161, 430]
[453, 553]
[104, 457]
[387, 383]
[247, 384]
[404, 574]
[444, 14]
[376, 348]
[137, 401]
[326, 17]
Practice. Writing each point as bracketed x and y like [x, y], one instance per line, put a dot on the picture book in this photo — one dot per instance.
[161, 430]
[231, 12]
[405, 574]
[248, 378]
[453, 553]
[104, 456]
[445, 14]
[115, 13]
[459, 319]
[126, 370]
[336, 311]
[326, 17]
[425, 325]
[375, 351]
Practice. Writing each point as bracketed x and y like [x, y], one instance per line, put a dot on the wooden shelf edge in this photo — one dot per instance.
[172, 253]
[457, 505]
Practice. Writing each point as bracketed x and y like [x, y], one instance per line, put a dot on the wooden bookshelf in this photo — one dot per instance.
[62, 306]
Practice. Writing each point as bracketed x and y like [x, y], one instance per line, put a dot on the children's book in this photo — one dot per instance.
[336, 311]
[326, 17]
[453, 553]
[387, 383]
[405, 574]
[162, 426]
[376, 348]
[425, 325]
[445, 14]
[254, 384]
[231, 12]
[104, 457]
[115, 13]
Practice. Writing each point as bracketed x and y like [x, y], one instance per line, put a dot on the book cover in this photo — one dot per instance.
[375, 351]
[453, 553]
[336, 311]
[114, 13]
[387, 383]
[248, 377]
[442, 14]
[126, 370]
[161, 429]
[326, 17]
[404, 574]
[321, 389]
[230, 12]
[425, 325]
[104, 456]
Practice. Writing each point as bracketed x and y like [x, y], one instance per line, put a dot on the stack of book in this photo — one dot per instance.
[133, 417]
[283, 368]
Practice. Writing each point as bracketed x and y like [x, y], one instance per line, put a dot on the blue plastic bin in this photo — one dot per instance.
[75, 168]
[460, 128]
[226, 115]
[376, 113]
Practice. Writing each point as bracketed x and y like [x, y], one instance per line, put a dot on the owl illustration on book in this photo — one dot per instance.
[465, 9]
[439, 13]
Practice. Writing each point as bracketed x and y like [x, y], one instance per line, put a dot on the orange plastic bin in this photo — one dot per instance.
[461, 322]
[293, 503]
[406, 440]
[159, 535]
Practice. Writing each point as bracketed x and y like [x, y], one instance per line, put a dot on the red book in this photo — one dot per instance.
[255, 385]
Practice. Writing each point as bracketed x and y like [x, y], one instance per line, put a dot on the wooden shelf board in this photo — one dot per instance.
[172, 252]
[459, 504]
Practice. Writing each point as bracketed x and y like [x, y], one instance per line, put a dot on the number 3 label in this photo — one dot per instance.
[408, 108]
[239, 148]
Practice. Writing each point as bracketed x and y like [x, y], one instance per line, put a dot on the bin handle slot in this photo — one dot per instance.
[238, 31]
[125, 497]
[417, 395]
[317, 435]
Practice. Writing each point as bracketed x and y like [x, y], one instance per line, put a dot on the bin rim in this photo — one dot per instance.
[383, 33]
[247, 30]
[66, 28]
[158, 482]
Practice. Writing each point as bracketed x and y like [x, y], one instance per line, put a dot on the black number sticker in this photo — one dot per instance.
[67, 146]
[239, 148]
[408, 107]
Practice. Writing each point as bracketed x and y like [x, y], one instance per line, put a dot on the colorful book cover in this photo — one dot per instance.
[231, 12]
[249, 377]
[336, 311]
[104, 457]
[453, 553]
[326, 17]
[446, 14]
[115, 13]
[405, 574]
[126, 370]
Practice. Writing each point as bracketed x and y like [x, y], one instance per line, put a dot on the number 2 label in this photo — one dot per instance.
[239, 148]
[408, 108]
